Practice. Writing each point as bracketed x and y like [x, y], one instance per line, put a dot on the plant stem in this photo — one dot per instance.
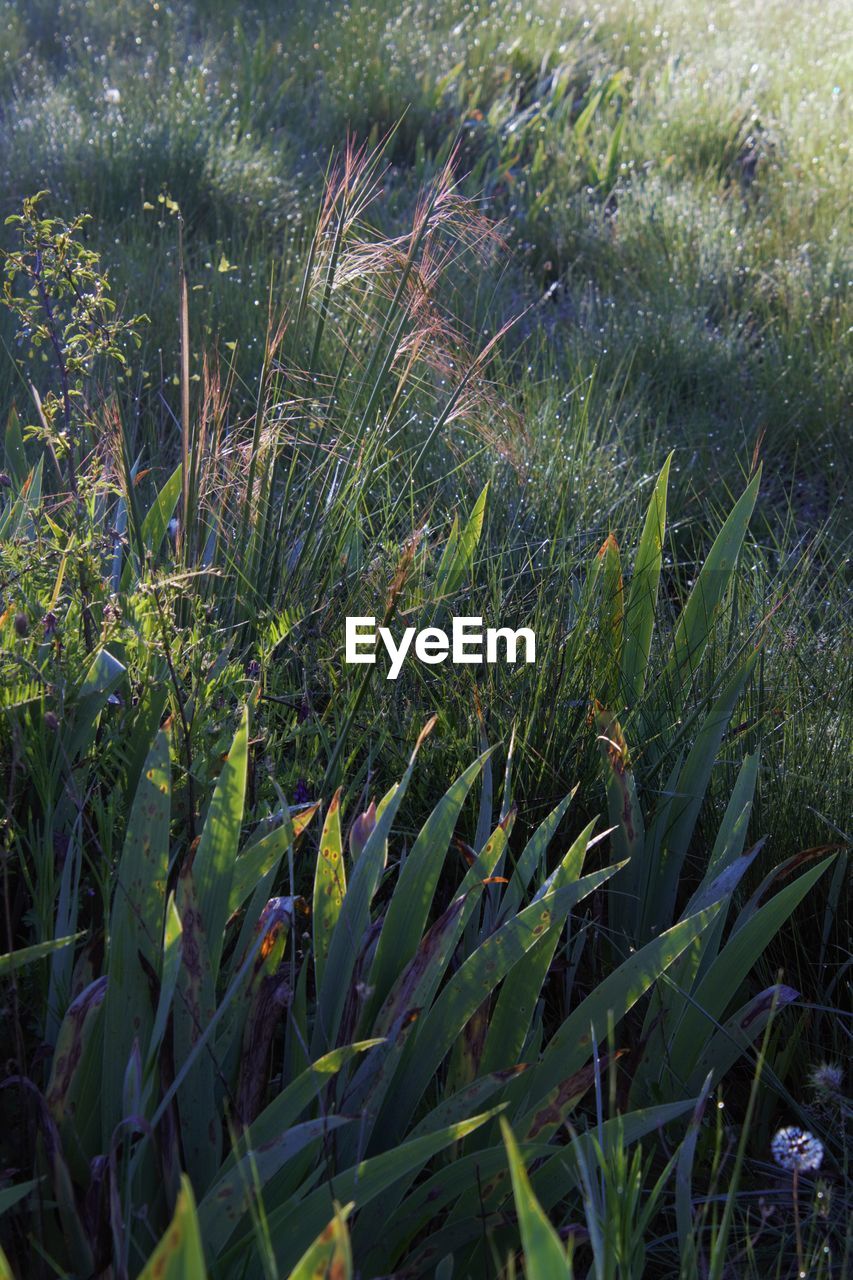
[179, 698]
[62, 368]
[795, 1192]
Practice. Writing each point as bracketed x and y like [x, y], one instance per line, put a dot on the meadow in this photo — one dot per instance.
[533, 312]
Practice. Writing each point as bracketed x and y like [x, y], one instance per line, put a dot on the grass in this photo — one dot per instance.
[459, 280]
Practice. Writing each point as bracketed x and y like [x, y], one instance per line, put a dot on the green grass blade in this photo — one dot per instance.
[293, 1226]
[544, 1256]
[696, 623]
[643, 593]
[553, 1178]
[213, 865]
[14, 960]
[330, 883]
[136, 925]
[389, 1236]
[684, 1180]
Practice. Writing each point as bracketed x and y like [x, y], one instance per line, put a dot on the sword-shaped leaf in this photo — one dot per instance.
[475, 980]
[533, 856]
[263, 855]
[694, 627]
[571, 1045]
[136, 926]
[458, 556]
[194, 1008]
[330, 1256]
[643, 594]
[230, 1197]
[628, 889]
[723, 978]
[413, 895]
[179, 1255]
[213, 865]
[354, 917]
[14, 960]
[740, 1031]
[293, 1225]
[510, 1020]
[330, 883]
[156, 523]
[544, 1255]
[667, 842]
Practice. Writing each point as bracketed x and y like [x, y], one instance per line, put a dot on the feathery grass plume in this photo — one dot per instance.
[827, 1081]
[357, 264]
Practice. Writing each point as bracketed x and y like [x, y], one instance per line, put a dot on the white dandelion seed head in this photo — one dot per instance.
[112, 96]
[798, 1149]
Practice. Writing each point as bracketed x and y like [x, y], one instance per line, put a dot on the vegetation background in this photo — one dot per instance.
[535, 311]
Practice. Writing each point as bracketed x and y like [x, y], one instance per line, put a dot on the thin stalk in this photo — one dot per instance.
[184, 325]
[185, 726]
[64, 382]
[718, 1251]
[795, 1193]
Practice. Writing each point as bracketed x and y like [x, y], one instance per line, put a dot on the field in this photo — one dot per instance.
[534, 313]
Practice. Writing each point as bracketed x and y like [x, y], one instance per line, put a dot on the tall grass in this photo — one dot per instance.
[558, 345]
